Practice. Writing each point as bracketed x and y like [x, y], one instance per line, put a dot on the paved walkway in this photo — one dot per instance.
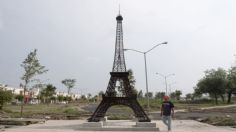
[71, 125]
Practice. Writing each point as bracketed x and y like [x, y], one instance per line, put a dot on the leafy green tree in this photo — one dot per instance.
[159, 95]
[53, 98]
[19, 97]
[100, 93]
[95, 98]
[214, 83]
[120, 89]
[140, 94]
[32, 68]
[197, 93]
[83, 97]
[69, 83]
[189, 96]
[173, 95]
[60, 98]
[68, 98]
[40, 84]
[89, 96]
[231, 84]
[47, 93]
[150, 94]
[5, 96]
[178, 93]
[132, 81]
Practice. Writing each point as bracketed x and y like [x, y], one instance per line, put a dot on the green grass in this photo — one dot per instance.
[155, 104]
[72, 111]
[61, 111]
[42, 110]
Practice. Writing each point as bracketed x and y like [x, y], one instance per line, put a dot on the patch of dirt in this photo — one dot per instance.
[220, 121]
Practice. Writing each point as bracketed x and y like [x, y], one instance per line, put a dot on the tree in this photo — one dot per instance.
[159, 95]
[32, 68]
[68, 98]
[19, 97]
[178, 93]
[47, 93]
[89, 96]
[83, 97]
[231, 84]
[40, 84]
[189, 96]
[69, 83]
[197, 93]
[214, 83]
[140, 94]
[132, 81]
[150, 95]
[120, 87]
[53, 99]
[121, 91]
[60, 98]
[100, 93]
[5, 96]
[95, 98]
[173, 95]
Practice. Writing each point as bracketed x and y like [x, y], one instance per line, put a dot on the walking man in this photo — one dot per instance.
[167, 109]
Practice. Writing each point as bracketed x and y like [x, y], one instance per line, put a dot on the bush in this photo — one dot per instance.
[5, 96]
[19, 97]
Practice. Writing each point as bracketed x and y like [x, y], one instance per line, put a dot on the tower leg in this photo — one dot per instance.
[128, 99]
[107, 102]
[139, 112]
[100, 111]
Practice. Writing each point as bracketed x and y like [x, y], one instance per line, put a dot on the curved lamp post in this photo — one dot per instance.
[145, 62]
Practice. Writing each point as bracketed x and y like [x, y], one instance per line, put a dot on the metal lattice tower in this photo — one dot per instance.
[119, 59]
[124, 95]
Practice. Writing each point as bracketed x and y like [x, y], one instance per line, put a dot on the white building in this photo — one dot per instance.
[74, 96]
[16, 91]
[33, 93]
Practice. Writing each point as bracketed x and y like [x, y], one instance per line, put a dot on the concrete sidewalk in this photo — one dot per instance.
[72, 125]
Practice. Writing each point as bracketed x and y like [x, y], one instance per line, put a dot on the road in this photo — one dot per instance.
[73, 125]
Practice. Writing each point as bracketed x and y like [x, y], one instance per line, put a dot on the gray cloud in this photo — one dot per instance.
[77, 38]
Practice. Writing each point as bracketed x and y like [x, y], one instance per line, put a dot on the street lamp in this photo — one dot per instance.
[145, 62]
[165, 76]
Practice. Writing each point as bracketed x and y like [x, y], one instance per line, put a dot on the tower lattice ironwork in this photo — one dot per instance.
[119, 91]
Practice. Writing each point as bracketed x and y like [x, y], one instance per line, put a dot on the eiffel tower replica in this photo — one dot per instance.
[119, 76]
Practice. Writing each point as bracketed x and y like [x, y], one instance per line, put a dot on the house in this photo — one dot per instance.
[16, 91]
[31, 95]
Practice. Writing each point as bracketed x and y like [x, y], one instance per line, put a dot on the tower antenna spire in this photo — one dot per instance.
[119, 9]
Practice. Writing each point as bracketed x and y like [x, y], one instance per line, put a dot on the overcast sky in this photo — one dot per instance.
[76, 39]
